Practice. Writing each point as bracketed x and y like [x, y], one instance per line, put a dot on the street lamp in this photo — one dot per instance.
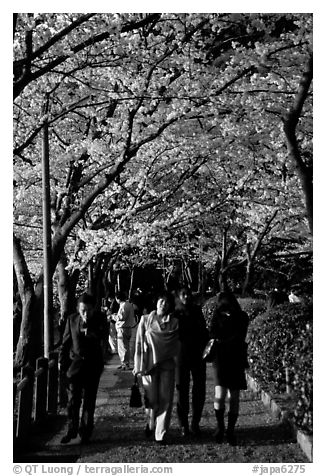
[47, 278]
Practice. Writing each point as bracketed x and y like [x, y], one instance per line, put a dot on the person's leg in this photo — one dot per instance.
[113, 338]
[90, 391]
[121, 345]
[219, 408]
[198, 394]
[233, 415]
[166, 384]
[132, 343]
[150, 389]
[126, 336]
[74, 391]
[182, 386]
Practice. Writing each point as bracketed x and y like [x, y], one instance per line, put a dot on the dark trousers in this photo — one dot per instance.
[198, 373]
[82, 387]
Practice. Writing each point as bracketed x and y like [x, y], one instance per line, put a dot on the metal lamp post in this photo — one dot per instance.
[47, 282]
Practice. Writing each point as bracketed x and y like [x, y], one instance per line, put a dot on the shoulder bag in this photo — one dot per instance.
[209, 352]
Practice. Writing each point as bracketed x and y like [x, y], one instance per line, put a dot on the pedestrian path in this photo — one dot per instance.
[119, 437]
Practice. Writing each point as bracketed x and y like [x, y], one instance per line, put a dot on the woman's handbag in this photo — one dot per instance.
[135, 397]
[210, 350]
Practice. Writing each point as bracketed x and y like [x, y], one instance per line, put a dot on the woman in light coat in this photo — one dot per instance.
[157, 346]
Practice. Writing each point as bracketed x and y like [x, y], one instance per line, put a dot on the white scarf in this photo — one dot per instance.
[155, 343]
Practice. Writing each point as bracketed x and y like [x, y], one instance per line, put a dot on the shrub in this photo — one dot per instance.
[253, 306]
[279, 338]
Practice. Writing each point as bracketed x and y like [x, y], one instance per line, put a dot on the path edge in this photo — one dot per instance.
[305, 441]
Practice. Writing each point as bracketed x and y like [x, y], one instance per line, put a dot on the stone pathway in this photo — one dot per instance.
[119, 433]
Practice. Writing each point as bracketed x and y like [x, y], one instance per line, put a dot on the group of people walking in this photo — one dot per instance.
[168, 354]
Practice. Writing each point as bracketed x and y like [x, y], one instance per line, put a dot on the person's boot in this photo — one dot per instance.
[196, 417]
[70, 435]
[72, 432]
[195, 430]
[85, 434]
[148, 431]
[230, 436]
[219, 433]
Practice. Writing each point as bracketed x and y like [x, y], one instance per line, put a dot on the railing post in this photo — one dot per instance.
[52, 400]
[41, 375]
[14, 395]
[25, 404]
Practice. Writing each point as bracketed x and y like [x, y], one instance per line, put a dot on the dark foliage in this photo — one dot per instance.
[280, 338]
[253, 306]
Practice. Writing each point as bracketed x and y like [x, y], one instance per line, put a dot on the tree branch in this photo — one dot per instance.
[290, 122]
[61, 34]
[24, 80]
[262, 236]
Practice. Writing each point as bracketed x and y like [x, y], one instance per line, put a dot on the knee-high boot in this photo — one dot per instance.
[219, 433]
[230, 436]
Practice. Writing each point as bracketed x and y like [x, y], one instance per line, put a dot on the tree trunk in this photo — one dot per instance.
[17, 312]
[290, 121]
[97, 272]
[90, 282]
[108, 275]
[30, 338]
[247, 280]
[252, 253]
[216, 276]
[222, 280]
[222, 276]
[73, 281]
[132, 274]
[65, 292]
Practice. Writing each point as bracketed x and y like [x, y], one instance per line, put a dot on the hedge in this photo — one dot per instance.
[280, 338]
[253, 306]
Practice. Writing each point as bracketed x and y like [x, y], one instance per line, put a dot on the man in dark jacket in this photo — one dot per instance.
[193, 337]
[81, 357]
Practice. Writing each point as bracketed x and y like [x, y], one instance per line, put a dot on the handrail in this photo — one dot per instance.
[36, 394]
[39, 372]
[52, 363]
[22, 384]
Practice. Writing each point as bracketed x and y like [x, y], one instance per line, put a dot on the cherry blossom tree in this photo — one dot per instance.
[156, 122]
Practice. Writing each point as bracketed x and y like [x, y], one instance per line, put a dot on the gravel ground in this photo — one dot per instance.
[119, 433]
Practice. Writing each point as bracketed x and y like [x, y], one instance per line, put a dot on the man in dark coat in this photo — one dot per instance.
[81, 357]
[193, 337]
